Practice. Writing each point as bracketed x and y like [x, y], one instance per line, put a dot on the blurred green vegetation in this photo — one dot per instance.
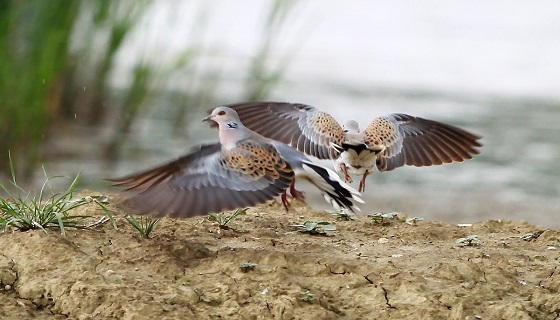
[40, 63]
[58, 59]
[34, 40]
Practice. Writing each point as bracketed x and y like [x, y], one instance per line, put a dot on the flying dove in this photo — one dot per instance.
[388, 142]
[242, 170]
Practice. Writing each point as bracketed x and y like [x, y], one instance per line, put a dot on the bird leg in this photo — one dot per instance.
[362, 185]
[296, 194]
[284, 198]
[347, 177]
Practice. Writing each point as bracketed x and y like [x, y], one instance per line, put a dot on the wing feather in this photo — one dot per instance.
[209, 179]
[301, 126]
[414, 141]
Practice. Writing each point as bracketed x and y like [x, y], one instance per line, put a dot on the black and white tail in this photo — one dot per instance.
[335, 191]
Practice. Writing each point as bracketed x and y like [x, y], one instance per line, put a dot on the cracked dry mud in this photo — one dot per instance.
[190, 269]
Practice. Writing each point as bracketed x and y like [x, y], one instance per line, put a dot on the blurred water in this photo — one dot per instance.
[491, 67]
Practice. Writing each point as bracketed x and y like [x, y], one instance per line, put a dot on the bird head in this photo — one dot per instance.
[223, 115]
[351, 126]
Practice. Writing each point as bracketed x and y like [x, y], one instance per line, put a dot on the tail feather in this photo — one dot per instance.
[338, 193]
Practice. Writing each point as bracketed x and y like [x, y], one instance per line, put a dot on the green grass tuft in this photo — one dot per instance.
[144, 225]
[307, 296]
[24, 211]
[315, 227]
[223, 220]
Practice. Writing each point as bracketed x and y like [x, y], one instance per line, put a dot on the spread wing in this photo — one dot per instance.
[209, 179]
[301, 126]
[414, 141]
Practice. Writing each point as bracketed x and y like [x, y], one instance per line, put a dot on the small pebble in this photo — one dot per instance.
[7, 287]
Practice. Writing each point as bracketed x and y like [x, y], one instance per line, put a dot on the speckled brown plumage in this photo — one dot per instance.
[254, 161]
[381, 132]
[393, 140]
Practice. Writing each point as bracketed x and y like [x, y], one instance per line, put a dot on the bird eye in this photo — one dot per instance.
[221, 113]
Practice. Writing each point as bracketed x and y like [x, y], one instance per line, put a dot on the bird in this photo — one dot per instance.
[388, 142]
[243, 169]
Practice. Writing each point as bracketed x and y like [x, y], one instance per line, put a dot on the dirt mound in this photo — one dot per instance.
[365, 269]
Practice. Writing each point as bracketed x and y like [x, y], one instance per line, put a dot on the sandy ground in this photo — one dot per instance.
[365, 269]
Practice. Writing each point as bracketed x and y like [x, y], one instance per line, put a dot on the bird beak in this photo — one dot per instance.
[212, 123]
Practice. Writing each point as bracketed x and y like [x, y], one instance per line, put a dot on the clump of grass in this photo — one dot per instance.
[248, 266]
[224, 220]
[315, 227]
[24, 211]
[307, 296]
[413, 221]
[387, 217]
[529, 236]
[383, 217]
[344, 214]
[144, 225]
[471, 240]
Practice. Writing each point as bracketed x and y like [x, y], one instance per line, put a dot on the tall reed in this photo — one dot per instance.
[40, 62]
[34, 41]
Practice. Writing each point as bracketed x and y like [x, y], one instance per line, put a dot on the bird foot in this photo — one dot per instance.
[284, 198]
[347, 177]
[296, 194]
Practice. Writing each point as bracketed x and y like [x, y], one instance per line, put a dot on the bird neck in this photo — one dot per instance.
[230, 133]
[232, 125]
[354, 137]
